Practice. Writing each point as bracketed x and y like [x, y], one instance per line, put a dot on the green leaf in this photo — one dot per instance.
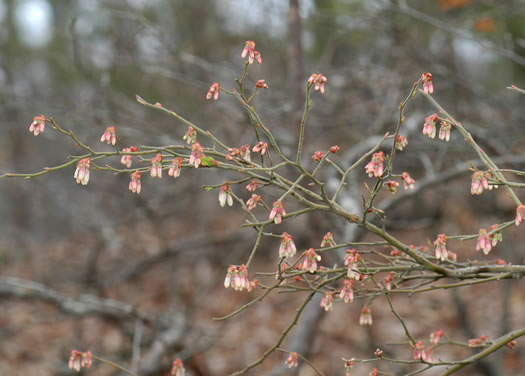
[208, 162]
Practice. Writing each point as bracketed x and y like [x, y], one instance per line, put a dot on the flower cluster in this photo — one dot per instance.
[479, 342]
[261, 84]
[484, 243]
[134, 184]
[328, 240]
[375, 166]
[408, 182]
[225, 196]
[252, 186]
[81, 174]
[327, 301]
[310, 260]
[237, 277]
[429, 128]
[520, 214]
[197, 153]
[80, 360]
[347, 292]
[334, 149]
[401, 142]
[317, 156]
[253, 54]
[190, 136]
[426, 78]
[277, 212]
[420, 353]
[177, 368]
[352, 258]
[440, 247]
[109, 136]
[444, 131]
[260, 147]
[156, 166]
[214, 91]
[435, 336]
[127, 159]
[318, 80]
[253, 201]
[366, 316]
[292, 360]
[175, 168]
[392, 186]
[287, 248]
[37, 126]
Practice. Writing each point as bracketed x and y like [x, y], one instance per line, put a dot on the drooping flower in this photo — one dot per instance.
[318, 80]
[177, 368]
[190, 136]
[334, 149]
[452, 256]
[127, 159]
[347, 292]
[257, 56]
[374, 372]
[426, 78]
[310, 260]
[429, 128]
[317, 156]
[392, 186]
[440, 247]
[388, 281]
[407, 180]
[109, 136]
[496, 235]
[483, 242]
[379, 353]
[252, 186]
[375, 166]
[479, 182]
[197, 153]
[401, 142]
[134, 184]
[253, 201]
[249, 49]
[366, 316]
[80, 360]
[37, 126]
[261, 84]
[352, 258]
[328, 240]
[277, 212]
[245, 152]
[327, 301]
[292, 360]
[237, 278]
[81, 174]
[287, 248]
[225, 195]
[214, 91]
[435, 336]
[176, 167]
[418, 350]
[156, 166]
[444, 131]
[520, 214]
[260, 147]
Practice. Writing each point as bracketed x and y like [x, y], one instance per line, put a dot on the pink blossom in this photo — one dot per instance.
[429, 128]
[310, 260]
[37, 126]
[287, 248]
[418, 350]
[495, 235]
[520, 214]
[388, 281]
[80, 360]
[245, 152]
[156, 166]
[426, 78]
[392, 186]
[318, 155]
[318, 80]
[484, 242]
[479, 182]
[375, 166]
[261, 84]
[292, 360]
[444, 131]
[366, 316]
[81, 174]
[277, 212]
[257, 56]
[197, 153]
[177, 368]
[352, 258]
[237, 278]
[452, 256]
[401, 142]
[232, 152]
[134, 184]
[440, 247]
[249, 49]
[252, 186]
[435, 336]
[190, 136]
[127, 159]
[327, 301]
[407, 180]
[253, 202]
[225, 195]
[175, 168]
[478, 342]
[109, 136]
[328, 240]
[334, 149]
[374, 372]
[347, 292]
[214, 90]
[260, 147]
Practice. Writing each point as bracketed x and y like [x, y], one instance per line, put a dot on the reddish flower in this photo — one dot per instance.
[252, 186]
[511, 344]
[501, 262]
[426, 78]
[225, 195]
[81, 174]
[440, 247]
[80, 360]
[418, 350]
[190, 136]
[214, 90]
[395, 252]
[366, 316]
[37, 126]
[407, 180]
[318, 155]
[388, 281]
[347, 292]
[429, 128]
[375, 166]
[328, 240]
[292, 360]
[436, 335]
[496, 235]
[379, 353]
[348, 366]
[520, 214]
[197, 153]
[261, 84]
[310, 260]
[126, 159]
[327, 301]
[478, 342]
[232, 152]
[109, 136]
[401, 142]
[277, 212]
[334, 149]
[260, 147]
[444, 131]
[177, 368]
[479, 182]
[287, 248]
[392, 186]
[156, 166]
[374, 372]
[245, 152]
[484, 242]
[249, 49]
[352, 258]
[452, 256]
[237, 277]
[253, 202]
[175, 168]
[134, 184]
[318, 80]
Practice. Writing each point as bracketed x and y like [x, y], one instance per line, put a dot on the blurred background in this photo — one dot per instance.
[137, 279]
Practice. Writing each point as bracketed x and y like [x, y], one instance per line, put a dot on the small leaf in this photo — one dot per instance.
[208, 162]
